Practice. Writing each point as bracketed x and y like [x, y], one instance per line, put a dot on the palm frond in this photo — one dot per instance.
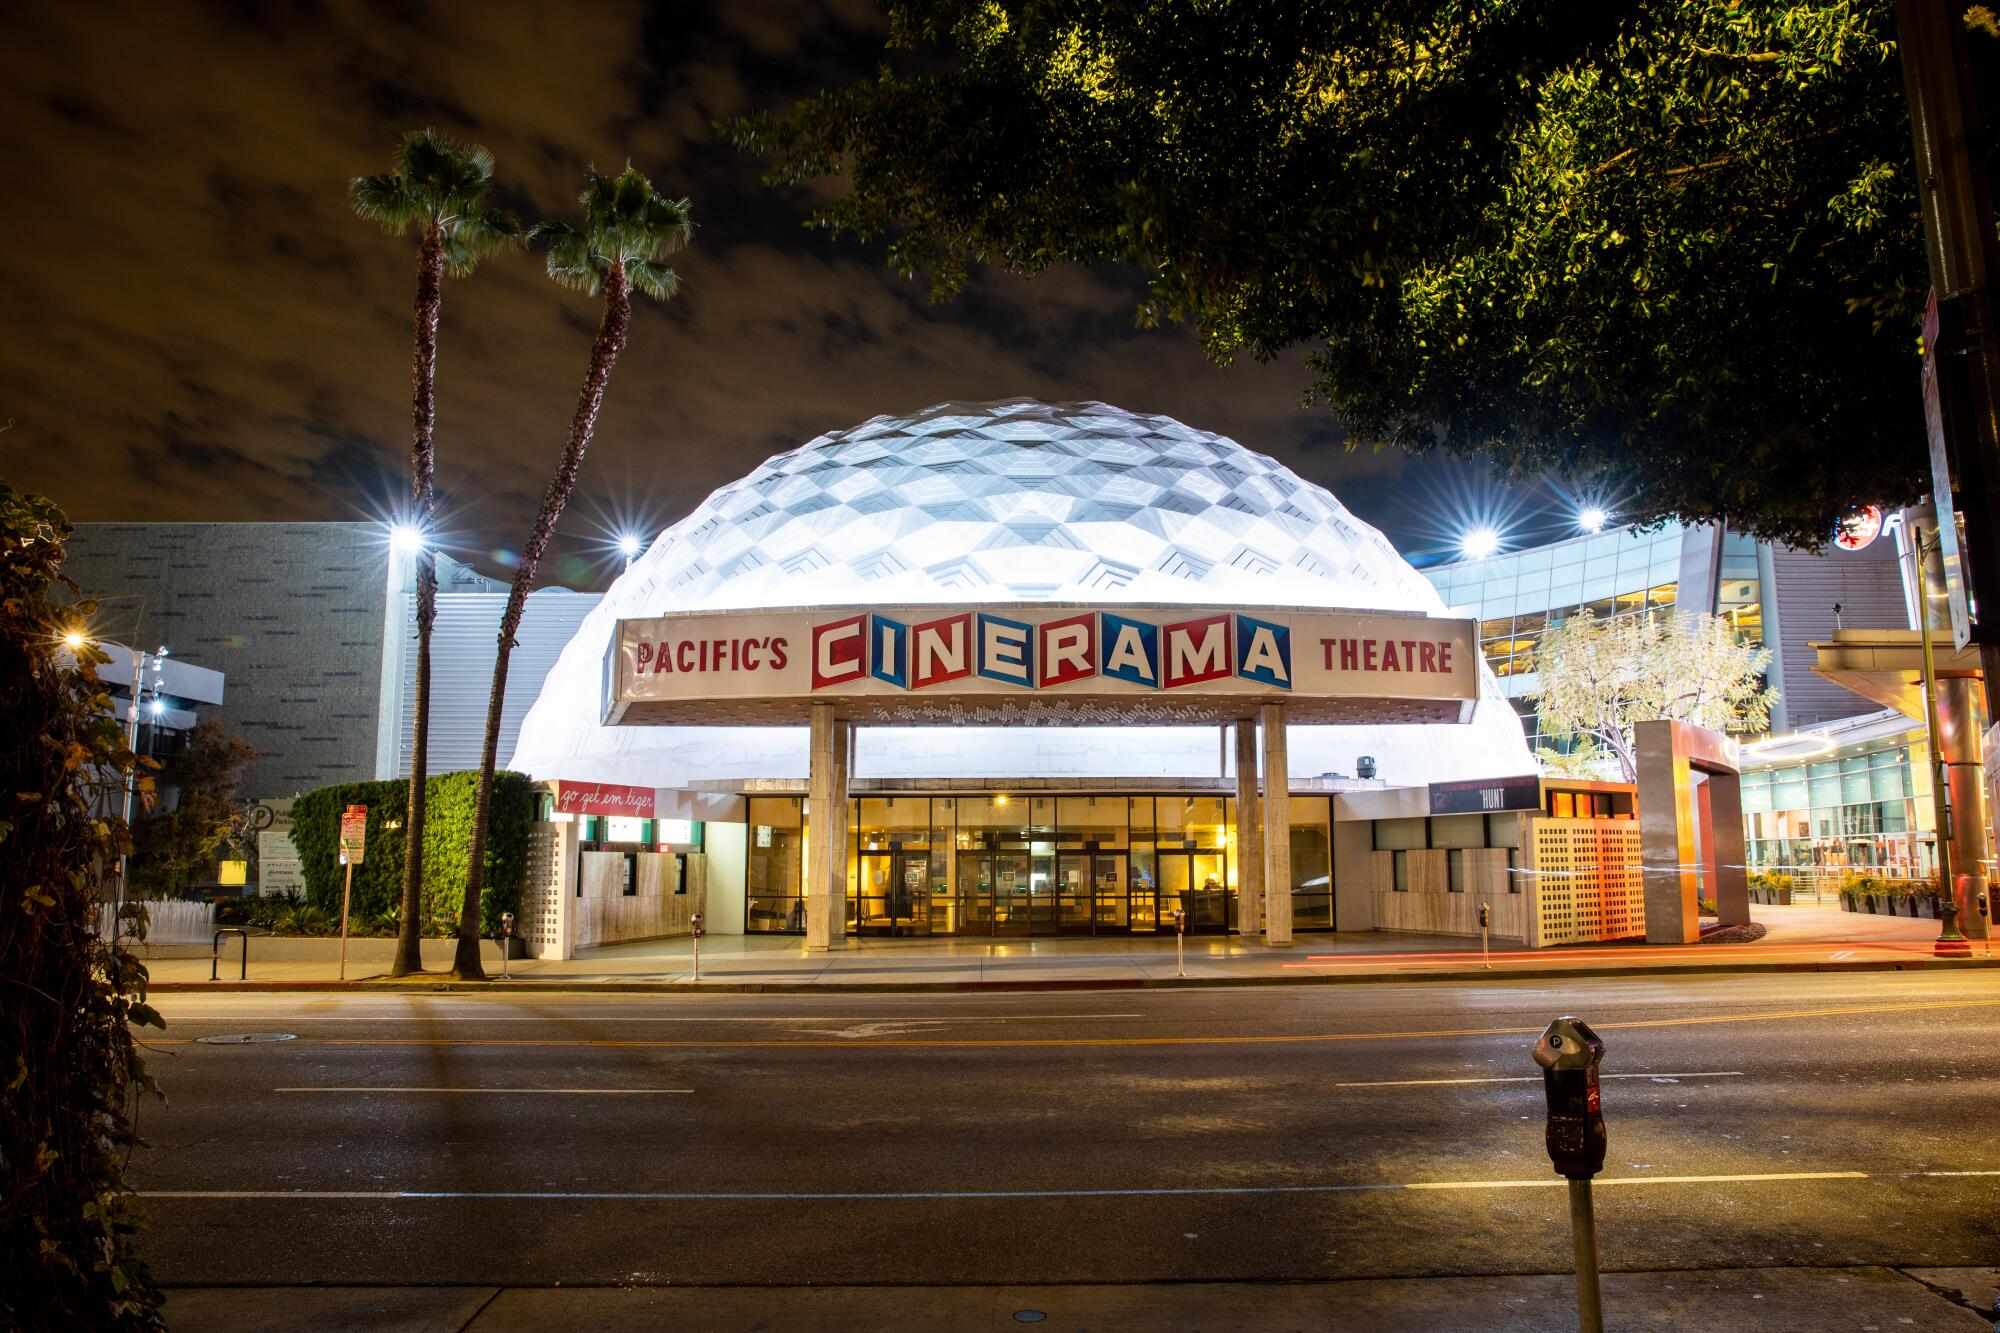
[571, 259]
[488, 232]
[655, 280]
[382, 199]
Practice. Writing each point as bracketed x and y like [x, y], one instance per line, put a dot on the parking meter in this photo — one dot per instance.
[1485, 916]
[697, 923]
[1485, 947]
[694, 923]
[1180, 942]
[1568, 1053]
[506, 941]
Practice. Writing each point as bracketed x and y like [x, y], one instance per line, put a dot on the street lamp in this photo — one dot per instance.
[75, 639]
[406, 538]
[628, 546]
[1479, 543]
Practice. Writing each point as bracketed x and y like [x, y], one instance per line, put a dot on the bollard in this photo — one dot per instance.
[1569, 1053]
[1485, 952]
[506, 944]
[695, 921]
[1180, 942]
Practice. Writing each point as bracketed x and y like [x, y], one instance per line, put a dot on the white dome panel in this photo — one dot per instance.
[997, 502]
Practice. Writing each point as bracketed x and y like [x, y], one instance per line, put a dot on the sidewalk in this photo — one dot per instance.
[1781, 1298]
[1798, 938]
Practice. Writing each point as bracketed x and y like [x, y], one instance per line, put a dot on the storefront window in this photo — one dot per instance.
[775, 866]
[1312, 863]
[1083, 820]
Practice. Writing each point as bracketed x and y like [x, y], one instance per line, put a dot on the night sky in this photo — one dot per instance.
[197, 327]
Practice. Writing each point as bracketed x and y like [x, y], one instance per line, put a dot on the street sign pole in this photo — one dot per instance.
[353, 846]
[346, 896]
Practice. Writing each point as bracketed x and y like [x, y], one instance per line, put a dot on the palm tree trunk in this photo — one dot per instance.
[423, 494]
[603, 356]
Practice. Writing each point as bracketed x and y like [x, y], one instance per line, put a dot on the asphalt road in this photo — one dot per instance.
[1243, 1134]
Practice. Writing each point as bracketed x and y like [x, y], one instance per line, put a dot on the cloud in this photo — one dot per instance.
[200, 329]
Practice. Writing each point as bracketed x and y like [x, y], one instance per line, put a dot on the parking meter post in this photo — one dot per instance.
[506, 944]
[697, 945]
[1485, 951]
[1569, 1054]
[1180, 942]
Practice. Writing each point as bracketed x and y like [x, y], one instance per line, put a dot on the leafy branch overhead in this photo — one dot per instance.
[1671, 250]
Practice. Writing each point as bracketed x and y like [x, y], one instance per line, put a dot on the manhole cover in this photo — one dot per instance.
[1029, 1316]
[246, 1038]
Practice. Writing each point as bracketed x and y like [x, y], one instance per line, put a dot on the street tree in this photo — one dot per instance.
[1670, 252]
[177, 848]
[628, 231]
[71, 1002]
[437, 186]
[1599, 677]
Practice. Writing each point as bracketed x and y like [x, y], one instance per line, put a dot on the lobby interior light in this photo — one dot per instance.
[1479, 543]
[405, 538]
[1592, 518]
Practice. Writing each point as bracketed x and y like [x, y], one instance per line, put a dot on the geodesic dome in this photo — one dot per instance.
[1012, 501]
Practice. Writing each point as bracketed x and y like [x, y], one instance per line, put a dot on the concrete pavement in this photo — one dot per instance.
[1867, 1298]
[1797, 937]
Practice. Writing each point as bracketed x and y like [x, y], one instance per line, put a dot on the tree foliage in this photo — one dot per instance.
[177, 849]
[69, 1066]
[1669, 251]
[447, 843]
[1598, 677]
[437, 184]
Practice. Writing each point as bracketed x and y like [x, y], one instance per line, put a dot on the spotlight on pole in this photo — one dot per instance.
[1592, 518]
[1479, 543]
[157, 707]
[628, 546]
[75, 639]
[405, 538]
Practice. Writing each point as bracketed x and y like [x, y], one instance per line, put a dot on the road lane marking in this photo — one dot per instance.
[1249, 1039]
[1640, 1180]
[1133, 1192]
[553, 1092]
[796, 1020]
[1523, 1078]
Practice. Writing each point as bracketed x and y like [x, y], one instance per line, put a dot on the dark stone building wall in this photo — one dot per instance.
[291, 613]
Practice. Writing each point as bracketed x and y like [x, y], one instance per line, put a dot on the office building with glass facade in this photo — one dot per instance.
[1838, 784]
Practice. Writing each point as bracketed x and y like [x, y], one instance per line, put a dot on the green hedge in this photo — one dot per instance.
[378, 880]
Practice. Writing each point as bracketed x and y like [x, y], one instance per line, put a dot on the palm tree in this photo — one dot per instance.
[437, 186]
[628, 230]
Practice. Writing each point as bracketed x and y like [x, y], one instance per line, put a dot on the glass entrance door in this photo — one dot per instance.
[1192, 881]
[894, 897]
[994, 895]
[1091, 894]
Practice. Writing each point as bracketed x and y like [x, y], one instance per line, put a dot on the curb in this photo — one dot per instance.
[432, 984]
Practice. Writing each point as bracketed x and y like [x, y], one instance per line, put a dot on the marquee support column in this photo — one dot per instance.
[1249, 834]
[843, 769]
[821, 839]
[1277, 820]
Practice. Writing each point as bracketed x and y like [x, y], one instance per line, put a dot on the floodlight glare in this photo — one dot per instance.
[1479, 543]
[405, 538]
[157, 707]
[75, 639]
[1592, 518]
[628, 545]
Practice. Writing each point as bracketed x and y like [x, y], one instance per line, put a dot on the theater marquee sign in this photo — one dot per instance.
[1041, 664]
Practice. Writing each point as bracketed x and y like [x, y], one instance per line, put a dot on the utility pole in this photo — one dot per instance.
[1961, 373]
